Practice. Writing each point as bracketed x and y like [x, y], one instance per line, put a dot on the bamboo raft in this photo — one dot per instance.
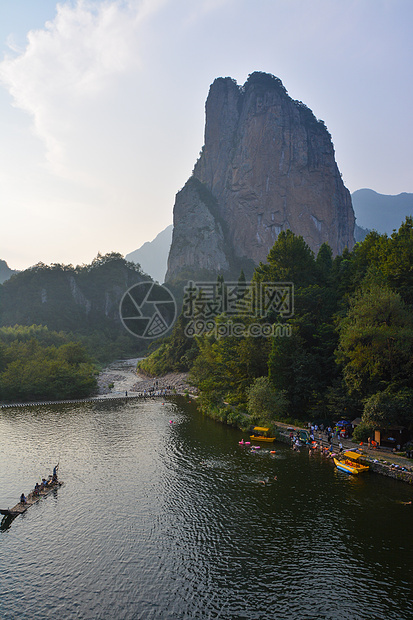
[32, 498]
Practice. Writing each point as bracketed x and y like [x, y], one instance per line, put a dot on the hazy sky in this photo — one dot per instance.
[102, 105]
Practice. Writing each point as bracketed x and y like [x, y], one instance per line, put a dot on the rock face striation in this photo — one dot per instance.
[267, 165]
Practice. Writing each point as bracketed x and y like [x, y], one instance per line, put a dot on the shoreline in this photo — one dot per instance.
[122, 376]
[380, 461]
[119, 381]
[126, 383]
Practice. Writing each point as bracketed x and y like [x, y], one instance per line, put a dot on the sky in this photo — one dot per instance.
[102, 106]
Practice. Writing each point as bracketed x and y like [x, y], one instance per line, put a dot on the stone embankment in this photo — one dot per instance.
[381, 461]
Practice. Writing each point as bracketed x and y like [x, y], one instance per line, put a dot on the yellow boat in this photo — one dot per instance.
[350, 463]
[258, 434]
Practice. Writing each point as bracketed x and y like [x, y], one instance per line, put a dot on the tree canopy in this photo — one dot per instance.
[37, 364]
[348, 349]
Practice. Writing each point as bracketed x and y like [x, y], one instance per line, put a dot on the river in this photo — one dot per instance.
[162, 516]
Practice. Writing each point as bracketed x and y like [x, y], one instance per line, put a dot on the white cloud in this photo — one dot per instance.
[109, 97]
[70, 68]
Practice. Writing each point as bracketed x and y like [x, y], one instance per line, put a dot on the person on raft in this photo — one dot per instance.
[23, 499]
[54, 477]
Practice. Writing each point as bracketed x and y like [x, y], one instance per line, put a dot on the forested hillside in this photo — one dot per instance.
[82, 301]
[346, 350]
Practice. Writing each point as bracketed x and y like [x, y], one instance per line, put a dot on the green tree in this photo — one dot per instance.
[324, 262]
[33, 371]
[289, 260]
[376, 342]
[290, 368]
[398, 260]
[386, 409]
[264, 403]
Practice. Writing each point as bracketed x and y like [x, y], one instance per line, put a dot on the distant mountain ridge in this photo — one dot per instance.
[373, 211]
[381, 212]
[5, 271]
[152, 256]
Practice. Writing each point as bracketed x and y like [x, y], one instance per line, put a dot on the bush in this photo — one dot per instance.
[363, 431]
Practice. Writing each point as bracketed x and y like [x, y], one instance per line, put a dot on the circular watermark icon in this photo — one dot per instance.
[147, 310]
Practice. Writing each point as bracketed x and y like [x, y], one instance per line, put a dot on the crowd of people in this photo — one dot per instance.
[309, 438]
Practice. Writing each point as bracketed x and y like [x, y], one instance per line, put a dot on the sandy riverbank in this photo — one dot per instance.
[122, 376]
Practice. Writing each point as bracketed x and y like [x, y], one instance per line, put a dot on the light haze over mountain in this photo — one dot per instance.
[373, 211]
[381, 212]
[153, 255]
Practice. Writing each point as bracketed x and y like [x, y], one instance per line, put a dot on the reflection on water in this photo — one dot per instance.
[163, 515]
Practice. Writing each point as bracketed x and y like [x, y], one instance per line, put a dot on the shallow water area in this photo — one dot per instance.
[164, 515]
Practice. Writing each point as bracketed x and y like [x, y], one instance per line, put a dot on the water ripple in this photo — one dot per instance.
[163, 516]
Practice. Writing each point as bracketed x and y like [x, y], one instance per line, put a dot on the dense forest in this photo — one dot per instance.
[81, 301]
[346, 350]
[36, 363]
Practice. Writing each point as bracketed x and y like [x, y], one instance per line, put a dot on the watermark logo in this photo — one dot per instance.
[147, 310]
[236, 329]
[205, 301]
[220, 309]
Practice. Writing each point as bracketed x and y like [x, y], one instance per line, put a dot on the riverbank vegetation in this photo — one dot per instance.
[349, 348]
[38, 364]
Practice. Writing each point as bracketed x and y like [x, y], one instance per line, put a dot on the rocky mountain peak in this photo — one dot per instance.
[267, 165]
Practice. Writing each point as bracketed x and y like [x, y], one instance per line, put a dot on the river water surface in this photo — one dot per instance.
[162, 515]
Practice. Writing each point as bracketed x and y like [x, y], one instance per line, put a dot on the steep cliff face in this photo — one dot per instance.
[197, 212]
[267, 165]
